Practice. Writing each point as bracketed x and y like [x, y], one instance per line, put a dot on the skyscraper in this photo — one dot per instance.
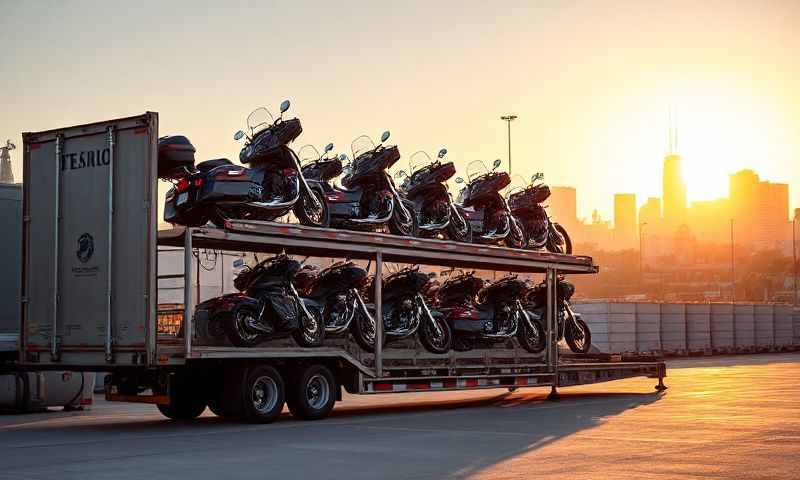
[674, 192]
[563, 207]
[650, 213]
[625, 228]
[759, 209]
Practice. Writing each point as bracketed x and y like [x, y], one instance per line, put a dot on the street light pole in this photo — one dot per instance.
[733, 268]
[508, 119]
[794, 253]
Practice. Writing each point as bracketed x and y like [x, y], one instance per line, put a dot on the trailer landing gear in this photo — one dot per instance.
[661, 387]
[553, 395]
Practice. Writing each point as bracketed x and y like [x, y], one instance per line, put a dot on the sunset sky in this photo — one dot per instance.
[592, 82]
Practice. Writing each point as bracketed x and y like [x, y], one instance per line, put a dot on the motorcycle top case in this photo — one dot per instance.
[175, 152]
[529, 198]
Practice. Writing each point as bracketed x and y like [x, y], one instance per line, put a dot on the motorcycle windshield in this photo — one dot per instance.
[418, 161]
[308, 154]
[475, 169]
[361, 145]
[258, 120]
[518, 185]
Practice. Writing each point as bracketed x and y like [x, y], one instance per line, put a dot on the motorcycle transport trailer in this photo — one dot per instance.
[90, 286]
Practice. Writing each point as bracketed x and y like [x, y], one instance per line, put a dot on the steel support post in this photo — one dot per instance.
[378, 314]
[552, 327]
[188, 293]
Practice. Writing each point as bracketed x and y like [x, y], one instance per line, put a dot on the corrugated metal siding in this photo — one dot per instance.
[11, 246]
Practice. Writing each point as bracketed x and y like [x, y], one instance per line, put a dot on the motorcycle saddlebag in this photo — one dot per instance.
[174, 153]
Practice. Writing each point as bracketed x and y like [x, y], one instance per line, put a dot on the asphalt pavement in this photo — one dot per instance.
[722, 417]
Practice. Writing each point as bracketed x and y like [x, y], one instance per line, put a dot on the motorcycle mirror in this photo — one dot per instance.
[285, 105]
[459, 180]
[342, 157]
[537, 176]
[385, 136]
[442, 153]
[238, 135]
[328, 147]
[400, 174]
[497, 163]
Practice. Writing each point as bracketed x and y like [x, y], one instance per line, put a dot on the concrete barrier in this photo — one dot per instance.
[690, 328]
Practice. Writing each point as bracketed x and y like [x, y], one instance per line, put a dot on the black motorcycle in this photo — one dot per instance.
[217, 190]
[405, 311]
[481, 314]
[367, 198]
[486, 209]
[334, 292]
[268, 307]
[426, 187]
[526, 205]
[571, 326]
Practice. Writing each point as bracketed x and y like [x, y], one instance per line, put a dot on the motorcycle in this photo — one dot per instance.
[434, 208]
[367, 198]
[268, 306]
[334, 292]
[525, 201]
[405, 311]
[571, 327]
[482, 314]
[273, 186]
[486, 210]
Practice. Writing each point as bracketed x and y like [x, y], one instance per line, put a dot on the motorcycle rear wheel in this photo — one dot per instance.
[306, 214]
[311, 331]
[578, 341]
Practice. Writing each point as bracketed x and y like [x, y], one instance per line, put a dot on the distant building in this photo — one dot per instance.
[674, 192]
[6, 174]
[709, 220]
[625, 227]
[759, 209]
[563, 208]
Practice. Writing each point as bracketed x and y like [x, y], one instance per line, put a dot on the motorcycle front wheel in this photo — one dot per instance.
[516, 234]
[238, 327]
[433, 341]
[311, 331]
[307, 214]
[401, 224]
[562, 245]
[579, 339]
[532, 337]
[363, 330]
[459, 229]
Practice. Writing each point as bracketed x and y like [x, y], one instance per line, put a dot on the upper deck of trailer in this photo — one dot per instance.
[272, 237]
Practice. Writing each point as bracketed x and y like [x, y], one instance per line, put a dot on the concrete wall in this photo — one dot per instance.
[681, 328]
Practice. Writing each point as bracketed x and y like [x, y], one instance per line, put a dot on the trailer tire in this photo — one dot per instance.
[312, 394]
[263, 393]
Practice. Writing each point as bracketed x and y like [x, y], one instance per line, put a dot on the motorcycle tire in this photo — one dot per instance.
[582, 344]
[360, 329]
[311, 331]
[404, 227]
[516, 236]
[238, 332]
[460, 234]
[313, 219]
[556, 246]
[428, 338]
[532, 341]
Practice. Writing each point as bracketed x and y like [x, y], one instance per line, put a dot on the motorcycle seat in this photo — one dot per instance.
[212, 164]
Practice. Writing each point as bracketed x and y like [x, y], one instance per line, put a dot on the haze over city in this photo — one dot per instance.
[593, 105]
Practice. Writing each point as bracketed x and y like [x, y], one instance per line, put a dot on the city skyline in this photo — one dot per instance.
[592, 105]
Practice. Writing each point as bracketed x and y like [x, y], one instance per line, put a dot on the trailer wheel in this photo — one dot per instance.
[313, 393]
[186, 402]
[263, 394]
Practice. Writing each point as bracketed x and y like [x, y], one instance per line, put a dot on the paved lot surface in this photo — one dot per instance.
[733, 417]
